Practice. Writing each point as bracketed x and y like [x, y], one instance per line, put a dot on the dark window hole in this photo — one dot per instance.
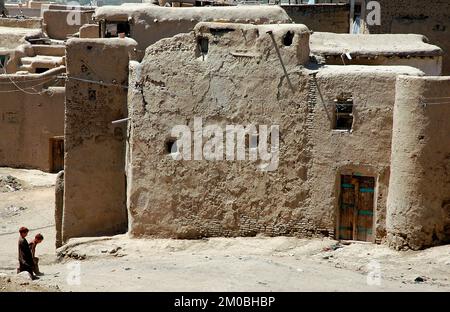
[288, 38]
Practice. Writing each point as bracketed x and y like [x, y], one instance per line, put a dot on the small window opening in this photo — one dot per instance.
[40, 70]
[358, 10]
[3, 61]
[119, 29]
[123, 28]
[11, 117]
[203, 45]
[343, 112]
[92, 94]
[356, 29]
[220, 32]
[171, 146]
[439, 27]
[288, 38]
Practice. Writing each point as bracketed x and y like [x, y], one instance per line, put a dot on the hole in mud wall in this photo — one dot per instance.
[343, 112]
[220, 32]
[40, 70]
[118, 133]
[92, 95]
[411, 18]
[3, 62]
[11, 117]
[203, 45]
[288, 38]
[171, 146]
[439, 28]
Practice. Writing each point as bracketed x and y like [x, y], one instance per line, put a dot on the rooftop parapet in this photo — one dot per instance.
[149, 23]
[324, 43]
[243, 40]
[144, 11]
[12, 37]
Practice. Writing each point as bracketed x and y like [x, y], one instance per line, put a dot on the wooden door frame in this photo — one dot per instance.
[355, 171]
[50, 150]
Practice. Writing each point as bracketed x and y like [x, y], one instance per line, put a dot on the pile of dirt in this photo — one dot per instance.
[9, 184]
[15, 284]
[12, 211]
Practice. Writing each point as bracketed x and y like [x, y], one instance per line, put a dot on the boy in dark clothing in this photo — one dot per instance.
[37, 240]
[25, 257]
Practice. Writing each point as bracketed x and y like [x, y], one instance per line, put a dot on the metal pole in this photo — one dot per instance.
[120, 120]
[281, 60]
[321, 96]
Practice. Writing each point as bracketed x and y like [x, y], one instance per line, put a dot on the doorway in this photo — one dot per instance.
[56, 154]
[356, 208]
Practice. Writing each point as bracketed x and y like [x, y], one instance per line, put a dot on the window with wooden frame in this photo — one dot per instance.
[114, 29]
[343, 112]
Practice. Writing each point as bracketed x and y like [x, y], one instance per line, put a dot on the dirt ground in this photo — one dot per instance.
[218, 264]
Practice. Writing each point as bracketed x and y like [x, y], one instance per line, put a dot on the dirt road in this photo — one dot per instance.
[218, 264]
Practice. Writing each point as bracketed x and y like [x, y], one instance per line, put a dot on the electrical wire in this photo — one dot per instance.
[437, 98]
[27, 80]
[25, 91]
[96, 82]
[437, 103]
[45, 80]
[19, 88]
[30, 87]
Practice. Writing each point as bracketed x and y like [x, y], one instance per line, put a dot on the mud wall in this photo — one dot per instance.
[94, 168]
[188, 199]
[363, 151]
[60, 24]
[323, 17]
[150, 23]
[28, 119]
[14, 10]
[89, 31]
[22, 23]
[419, 194]
[239, 81]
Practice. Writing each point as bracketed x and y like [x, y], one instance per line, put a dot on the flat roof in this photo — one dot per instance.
[299, 28]
[12, 37]
[368, 70]
[265, 13]
[324, 43]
